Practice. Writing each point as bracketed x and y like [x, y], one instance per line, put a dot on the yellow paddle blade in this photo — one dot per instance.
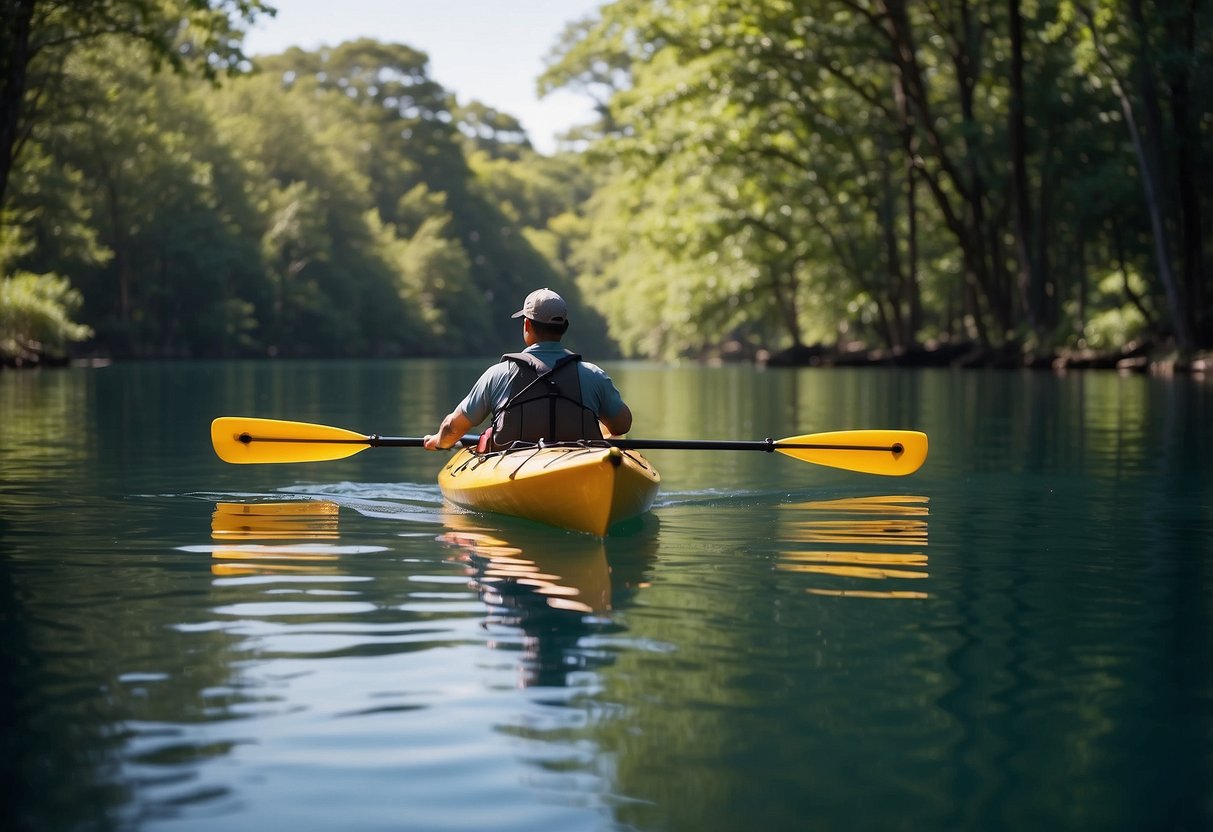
[893, 453]
[242, 439]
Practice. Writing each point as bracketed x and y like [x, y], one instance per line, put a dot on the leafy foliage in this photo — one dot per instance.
[35, 317]
[759, 176]
[898, 171]
[324, 206]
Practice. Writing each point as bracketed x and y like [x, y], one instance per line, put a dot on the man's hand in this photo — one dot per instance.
[453, 427]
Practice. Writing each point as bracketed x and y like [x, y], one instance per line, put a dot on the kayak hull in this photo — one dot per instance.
[578, 487]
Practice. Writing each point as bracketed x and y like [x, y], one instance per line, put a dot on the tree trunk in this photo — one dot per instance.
[1042, 235]
[120, 245]
[1158, 226]
[15, 25]
[909, 141]
[979, 254]
[1031, 282]
[967, 222]
[895, 278]
[1083, 281]
[915, 286]
[1188, 165]
[785, 301]
[1147, 149]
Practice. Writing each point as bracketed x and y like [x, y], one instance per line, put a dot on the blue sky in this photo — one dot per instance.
[489, 50]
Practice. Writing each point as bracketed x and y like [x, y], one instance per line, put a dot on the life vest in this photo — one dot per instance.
[543, 403]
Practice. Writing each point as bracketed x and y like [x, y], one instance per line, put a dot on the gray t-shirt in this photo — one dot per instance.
[598, 392]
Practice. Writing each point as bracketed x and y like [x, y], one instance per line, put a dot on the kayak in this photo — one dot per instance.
[583, 487]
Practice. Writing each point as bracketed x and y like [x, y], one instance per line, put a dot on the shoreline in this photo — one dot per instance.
[1132, 358]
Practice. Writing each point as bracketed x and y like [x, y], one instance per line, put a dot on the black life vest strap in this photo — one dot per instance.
[543, 373]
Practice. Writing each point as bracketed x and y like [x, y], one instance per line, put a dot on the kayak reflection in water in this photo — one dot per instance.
[547, 592]
[544, 393]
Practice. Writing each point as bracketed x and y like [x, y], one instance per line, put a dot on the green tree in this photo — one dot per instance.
[491, 131]
[36, 313]
[1156, 61]
[903, 169]
[161, 195]
[331, 287]
[731, 158]
[36, 36]
[436, 278]
[416, 137]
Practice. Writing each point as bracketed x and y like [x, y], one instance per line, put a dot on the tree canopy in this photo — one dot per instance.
[327, 204]
[769, 176]
[899, 171]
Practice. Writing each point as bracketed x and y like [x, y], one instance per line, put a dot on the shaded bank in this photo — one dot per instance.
[1131, 358]
[1134, 357]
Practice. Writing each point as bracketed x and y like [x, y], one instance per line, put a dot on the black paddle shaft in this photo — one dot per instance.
[373, 441]
[767, 445]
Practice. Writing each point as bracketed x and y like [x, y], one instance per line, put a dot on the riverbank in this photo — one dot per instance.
[1131, 358]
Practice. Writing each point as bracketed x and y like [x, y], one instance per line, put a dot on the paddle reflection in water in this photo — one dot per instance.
[298, 521]
[547, 590]
[858, 540]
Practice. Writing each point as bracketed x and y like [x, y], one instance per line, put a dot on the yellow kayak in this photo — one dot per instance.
[581, 487]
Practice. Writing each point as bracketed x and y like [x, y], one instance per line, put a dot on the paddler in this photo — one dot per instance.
[543, 393]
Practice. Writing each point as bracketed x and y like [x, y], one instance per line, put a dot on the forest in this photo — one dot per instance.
[953, 181]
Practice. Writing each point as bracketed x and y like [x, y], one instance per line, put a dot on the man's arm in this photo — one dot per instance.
[473, 410]
[453, 427]
[620, 423]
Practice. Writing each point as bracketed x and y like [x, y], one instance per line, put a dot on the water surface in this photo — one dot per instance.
[1017, 637]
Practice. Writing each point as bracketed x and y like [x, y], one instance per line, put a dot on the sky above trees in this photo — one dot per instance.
[485, 50]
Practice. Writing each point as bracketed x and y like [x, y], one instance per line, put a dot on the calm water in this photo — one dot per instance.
[1020, 636]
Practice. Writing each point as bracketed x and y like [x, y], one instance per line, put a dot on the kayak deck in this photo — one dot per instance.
[580, 486]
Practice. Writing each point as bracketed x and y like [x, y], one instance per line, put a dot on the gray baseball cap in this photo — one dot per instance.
[544, 306]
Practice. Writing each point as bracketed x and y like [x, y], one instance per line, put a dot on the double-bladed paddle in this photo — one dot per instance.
[249, 440]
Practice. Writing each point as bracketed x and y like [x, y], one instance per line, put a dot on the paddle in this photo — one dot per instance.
[249, 440]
